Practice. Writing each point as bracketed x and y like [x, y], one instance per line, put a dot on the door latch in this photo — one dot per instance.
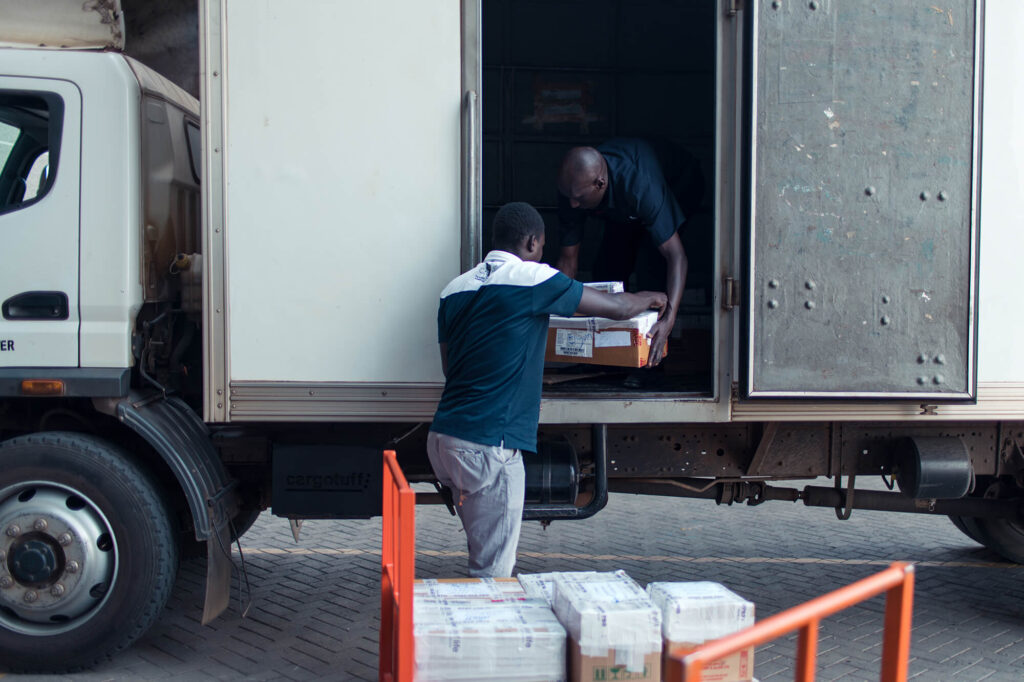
[730, 293]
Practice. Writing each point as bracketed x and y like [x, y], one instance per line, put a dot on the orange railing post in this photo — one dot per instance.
[897, 581]
[397, 569]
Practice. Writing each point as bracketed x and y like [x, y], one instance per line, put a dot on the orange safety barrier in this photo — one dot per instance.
[897, 581]
[397, 570]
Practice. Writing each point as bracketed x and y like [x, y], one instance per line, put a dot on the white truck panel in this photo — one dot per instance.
[1002, 235]
[111, 210]
[342, 214]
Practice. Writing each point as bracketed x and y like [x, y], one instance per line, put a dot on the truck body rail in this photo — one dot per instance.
[897, 582]
[397, 570]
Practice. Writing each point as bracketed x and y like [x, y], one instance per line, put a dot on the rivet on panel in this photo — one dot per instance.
[942, 196]
[813, 4]
[940, 359]
[938, 379]
[922, 380]
[925, 196]
[922, 358]
[810, 284]
[773, 304]
[870, 190]
[885, 320]
[886, 299]
[773, 284]
[809, 305]
[776, 4]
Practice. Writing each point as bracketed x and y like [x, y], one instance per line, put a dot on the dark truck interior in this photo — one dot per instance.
[568, 73]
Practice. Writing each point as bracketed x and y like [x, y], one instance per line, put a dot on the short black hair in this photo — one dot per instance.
[515, 222]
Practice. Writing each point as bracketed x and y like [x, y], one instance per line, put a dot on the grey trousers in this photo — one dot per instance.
[488, 483]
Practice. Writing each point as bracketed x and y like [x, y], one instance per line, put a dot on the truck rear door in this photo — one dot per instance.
[862, 193]
[40, 121]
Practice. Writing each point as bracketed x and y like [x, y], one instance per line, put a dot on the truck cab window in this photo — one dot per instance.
[30, 128]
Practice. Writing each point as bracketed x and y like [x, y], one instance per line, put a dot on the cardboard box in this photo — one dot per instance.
[614, 628]
[477, 639]
[694, 613]
[542, 585]
[600, 668]
[600, 341]
[736, 668]
[483, 589]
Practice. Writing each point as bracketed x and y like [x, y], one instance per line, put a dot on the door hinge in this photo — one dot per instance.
[730, 293]
[733, 8]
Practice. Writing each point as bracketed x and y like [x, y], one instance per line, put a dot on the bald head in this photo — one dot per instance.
[583, 177]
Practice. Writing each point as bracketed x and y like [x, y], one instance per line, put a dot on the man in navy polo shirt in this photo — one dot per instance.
[622, 183]
[492, 325]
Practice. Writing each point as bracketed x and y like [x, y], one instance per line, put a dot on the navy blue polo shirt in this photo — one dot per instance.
[637, 194]
[494, 319]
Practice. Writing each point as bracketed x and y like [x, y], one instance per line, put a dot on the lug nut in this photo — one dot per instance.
[31, 596]
[6, 582]
[57, 590]
[40, 524]
[72, 567]
[65, 539]
[13, 530]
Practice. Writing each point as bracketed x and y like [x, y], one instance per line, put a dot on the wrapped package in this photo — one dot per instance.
[600, 341]
[479, 639]
[698, 612]
[541, 585]
[484, 589]
[614, 628]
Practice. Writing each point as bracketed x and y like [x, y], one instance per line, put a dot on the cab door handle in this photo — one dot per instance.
[36, 305]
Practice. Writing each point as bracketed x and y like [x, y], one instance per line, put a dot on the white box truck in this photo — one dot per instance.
[213, 307]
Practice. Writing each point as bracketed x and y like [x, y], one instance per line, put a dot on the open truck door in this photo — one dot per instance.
[863, 187]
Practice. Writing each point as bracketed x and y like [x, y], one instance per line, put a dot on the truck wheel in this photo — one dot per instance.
[1003, 536]
[968, 525]
[87, 557]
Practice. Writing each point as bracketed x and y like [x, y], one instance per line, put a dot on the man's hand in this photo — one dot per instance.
[659, 337]
[655, 300]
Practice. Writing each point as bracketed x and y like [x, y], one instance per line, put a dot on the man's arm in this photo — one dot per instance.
[675, 257]
[444, 359]
[569, 260]
[619, 306]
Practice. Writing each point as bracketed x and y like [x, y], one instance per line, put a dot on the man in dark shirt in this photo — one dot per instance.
[492, 326]
[621, 182]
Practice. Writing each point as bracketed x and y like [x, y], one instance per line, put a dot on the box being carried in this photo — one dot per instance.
[600, 341]
[614, 628]
[484, 630]
[698, 612]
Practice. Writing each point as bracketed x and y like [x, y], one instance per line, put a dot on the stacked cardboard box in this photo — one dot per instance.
[485, 630]
[698, 612]
[614, 628]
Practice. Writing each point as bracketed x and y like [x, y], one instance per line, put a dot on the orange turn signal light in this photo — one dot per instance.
[42, 387]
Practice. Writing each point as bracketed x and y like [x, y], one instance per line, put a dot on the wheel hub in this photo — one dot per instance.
[57, 558]
[36, 560]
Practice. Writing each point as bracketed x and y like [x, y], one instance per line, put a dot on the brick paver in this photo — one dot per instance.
[313, 607]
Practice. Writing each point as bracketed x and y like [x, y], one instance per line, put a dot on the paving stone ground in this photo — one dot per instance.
[313, 607]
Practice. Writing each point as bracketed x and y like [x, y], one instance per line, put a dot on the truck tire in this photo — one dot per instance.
[89, 556]
[968, 525]
[1003, 536]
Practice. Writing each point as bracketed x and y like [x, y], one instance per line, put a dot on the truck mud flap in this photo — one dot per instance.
[183, 441]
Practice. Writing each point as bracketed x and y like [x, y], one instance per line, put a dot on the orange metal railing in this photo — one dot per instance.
[897, 581]
[397, 570]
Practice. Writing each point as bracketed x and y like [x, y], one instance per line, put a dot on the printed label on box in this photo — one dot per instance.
[574, 343]
[613, 339]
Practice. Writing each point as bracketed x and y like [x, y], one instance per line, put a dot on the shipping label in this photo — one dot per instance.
[574, 343]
